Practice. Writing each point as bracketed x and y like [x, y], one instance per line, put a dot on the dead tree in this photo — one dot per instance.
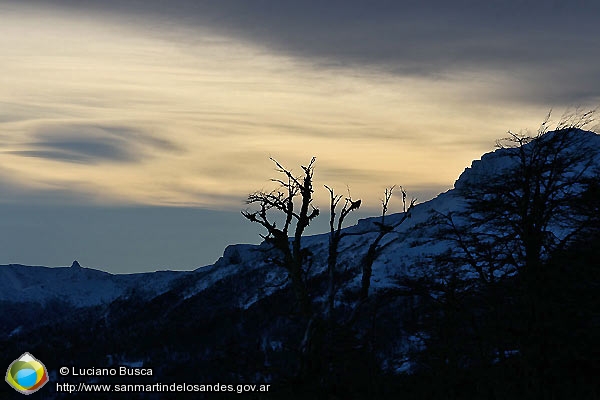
[383, 230]
[376, 247]
[335, 237]
[319, 340]
[282, 200]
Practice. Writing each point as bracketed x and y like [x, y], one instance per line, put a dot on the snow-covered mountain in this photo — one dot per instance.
[76, 285]
[401, 252]
[87, 287]
[238, 320]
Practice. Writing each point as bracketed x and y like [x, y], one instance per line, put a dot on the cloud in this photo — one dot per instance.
[185, 102]
[181, 103]
[533, 42]
[91, 144]
[101, 151]
[526, 43]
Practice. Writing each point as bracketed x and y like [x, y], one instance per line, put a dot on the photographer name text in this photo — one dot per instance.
[120, 371]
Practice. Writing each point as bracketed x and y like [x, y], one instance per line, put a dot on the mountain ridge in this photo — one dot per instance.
[88, 287]
[435, 321]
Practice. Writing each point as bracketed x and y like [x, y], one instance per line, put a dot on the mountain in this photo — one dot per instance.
[237, 320]
[84, 287]
[402, 251]
[79, 286]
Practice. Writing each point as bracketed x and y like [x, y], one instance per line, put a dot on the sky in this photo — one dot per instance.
[131, 132]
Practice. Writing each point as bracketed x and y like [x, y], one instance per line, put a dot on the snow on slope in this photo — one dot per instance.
[403, 251]
[409, 247]
[88, 287]
[76, 285]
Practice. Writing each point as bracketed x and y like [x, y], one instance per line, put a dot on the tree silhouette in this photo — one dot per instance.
[282, 201]
[529, 208]
[328, 341]
[492, 296]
